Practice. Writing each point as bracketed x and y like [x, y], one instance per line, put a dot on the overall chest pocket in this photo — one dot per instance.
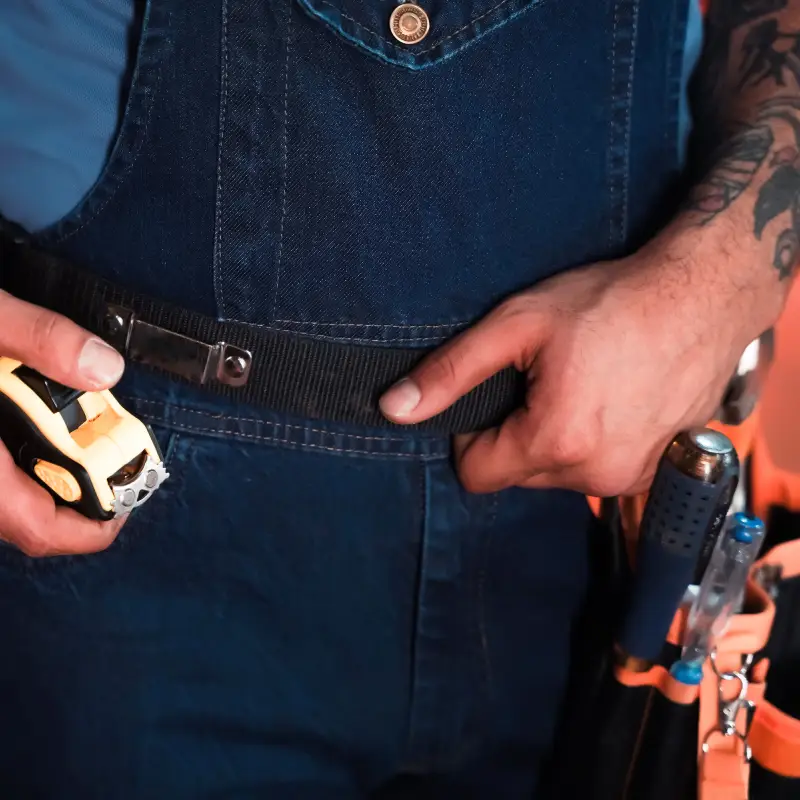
[415, 34]
[391, 192]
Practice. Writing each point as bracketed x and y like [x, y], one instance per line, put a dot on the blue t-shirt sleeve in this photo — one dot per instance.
[62, 67]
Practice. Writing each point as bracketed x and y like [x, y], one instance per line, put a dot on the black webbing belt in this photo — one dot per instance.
[284, 372]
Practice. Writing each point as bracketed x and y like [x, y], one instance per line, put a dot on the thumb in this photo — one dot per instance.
[497, 342]
[56, 347]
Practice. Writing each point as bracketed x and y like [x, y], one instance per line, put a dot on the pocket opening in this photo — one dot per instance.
[453, 26]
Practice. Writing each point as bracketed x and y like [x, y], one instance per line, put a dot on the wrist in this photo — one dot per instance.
[717, 272]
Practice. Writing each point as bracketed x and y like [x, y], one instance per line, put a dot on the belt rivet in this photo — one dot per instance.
[235, 366]
[113, 324]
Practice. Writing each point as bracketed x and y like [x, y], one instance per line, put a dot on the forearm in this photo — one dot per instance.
[748, 204]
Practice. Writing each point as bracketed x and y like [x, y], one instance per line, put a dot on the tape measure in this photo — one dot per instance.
[83, 447]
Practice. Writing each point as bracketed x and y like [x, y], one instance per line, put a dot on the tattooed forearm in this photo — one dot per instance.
[735, 168]
[770, 54]
[730, 14]
[725, 19]
[752, 53]
[752, 153]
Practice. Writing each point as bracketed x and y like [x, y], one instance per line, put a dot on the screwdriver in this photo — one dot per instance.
[720, 593]
[682, 520]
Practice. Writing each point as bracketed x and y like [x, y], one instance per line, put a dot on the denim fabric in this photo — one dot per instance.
[58, 114]
[336, 194]
[306, 610]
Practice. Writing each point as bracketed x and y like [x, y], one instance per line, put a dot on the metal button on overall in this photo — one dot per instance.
[409, 23]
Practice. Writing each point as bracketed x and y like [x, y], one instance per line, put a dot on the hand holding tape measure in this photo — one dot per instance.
[73, 462]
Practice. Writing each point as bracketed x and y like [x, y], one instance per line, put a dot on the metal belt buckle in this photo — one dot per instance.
[143, 343]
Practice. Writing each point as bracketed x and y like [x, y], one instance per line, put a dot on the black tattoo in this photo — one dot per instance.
[769, 53]
[736, 166]
[725, 17]
[728, 15]
[734, 170]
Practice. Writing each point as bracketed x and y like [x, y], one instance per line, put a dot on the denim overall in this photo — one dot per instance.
[312, 610]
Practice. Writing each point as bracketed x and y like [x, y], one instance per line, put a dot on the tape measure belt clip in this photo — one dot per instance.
[144, 343]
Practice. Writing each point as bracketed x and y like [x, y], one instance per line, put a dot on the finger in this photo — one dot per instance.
[567, 479]
[501, 457]
[502, 339]
[30, 519]
[577, 480]
[56, 347]
[598, 480]
[547, 480]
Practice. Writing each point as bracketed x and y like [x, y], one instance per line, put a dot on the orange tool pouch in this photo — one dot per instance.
[641, 735]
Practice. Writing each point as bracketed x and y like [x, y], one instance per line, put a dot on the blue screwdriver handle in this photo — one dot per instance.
[675, 524]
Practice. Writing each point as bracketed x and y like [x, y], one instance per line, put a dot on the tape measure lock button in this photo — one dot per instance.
[60, 480]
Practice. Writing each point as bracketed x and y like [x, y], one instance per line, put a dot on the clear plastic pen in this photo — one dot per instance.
[720, 594]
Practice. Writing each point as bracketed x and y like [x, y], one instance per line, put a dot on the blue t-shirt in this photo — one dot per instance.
[62, 68]
[62, 76]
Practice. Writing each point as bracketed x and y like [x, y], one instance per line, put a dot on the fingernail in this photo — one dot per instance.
[100, 363]
[401, 399]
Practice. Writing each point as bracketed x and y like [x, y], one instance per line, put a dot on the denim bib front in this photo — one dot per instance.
[289, 163]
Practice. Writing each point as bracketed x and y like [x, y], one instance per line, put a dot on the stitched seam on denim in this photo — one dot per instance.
[169, 451]
[409, 762]
[284, 158]
[269, 423]
[481, 591]
[346, 325]
[674, 80]
[362, 340]
[612, 126]
[119, 178]
[303, 445]
[433, 45]
[629, 116]
[334, 338]
[619, 124]
[223, 107]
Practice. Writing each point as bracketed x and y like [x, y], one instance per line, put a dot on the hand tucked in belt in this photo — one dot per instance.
[619, 356]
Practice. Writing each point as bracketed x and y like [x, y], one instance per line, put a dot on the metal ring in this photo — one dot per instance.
[744, 685]
[746, 663]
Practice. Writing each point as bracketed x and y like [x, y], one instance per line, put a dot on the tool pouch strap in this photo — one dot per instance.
[763, 755]
[304, 376]
[775, 731]
[692, 741]
[646, 736]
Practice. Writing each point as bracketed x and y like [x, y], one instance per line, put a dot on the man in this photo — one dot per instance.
[320, 608]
